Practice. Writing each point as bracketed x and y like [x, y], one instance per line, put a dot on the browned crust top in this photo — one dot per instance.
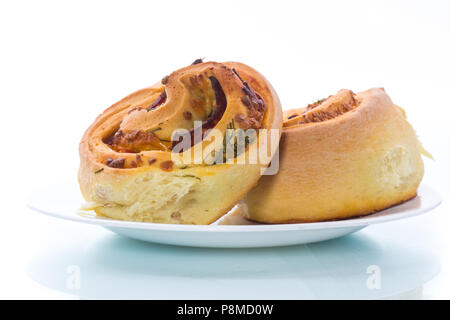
[136, 132]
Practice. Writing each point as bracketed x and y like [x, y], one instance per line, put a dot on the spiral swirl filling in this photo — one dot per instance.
[323, 110]
[151, 128]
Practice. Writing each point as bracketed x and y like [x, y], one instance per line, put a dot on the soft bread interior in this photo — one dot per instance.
[142, 194]
[190, 197]
[398, 168]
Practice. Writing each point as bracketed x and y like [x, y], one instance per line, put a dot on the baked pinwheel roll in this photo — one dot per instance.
[344, 156]
[159, 154]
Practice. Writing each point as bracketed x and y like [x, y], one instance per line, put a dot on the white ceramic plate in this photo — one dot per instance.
[233, 231]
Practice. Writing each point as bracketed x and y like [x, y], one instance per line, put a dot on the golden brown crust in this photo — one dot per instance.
[126, 157]
[361, 157]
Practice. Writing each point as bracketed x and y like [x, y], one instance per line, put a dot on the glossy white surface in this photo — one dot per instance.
[112, 267]
[63, 201]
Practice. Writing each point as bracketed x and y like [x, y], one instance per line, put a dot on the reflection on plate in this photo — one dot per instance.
[234, 231]
[106, 266]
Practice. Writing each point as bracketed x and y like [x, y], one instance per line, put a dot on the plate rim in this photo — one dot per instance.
[352, 222]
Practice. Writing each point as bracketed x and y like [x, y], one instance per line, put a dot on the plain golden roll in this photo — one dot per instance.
[344, 156]
[132, 168]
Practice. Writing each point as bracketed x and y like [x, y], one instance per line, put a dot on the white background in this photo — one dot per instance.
[63, 62]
